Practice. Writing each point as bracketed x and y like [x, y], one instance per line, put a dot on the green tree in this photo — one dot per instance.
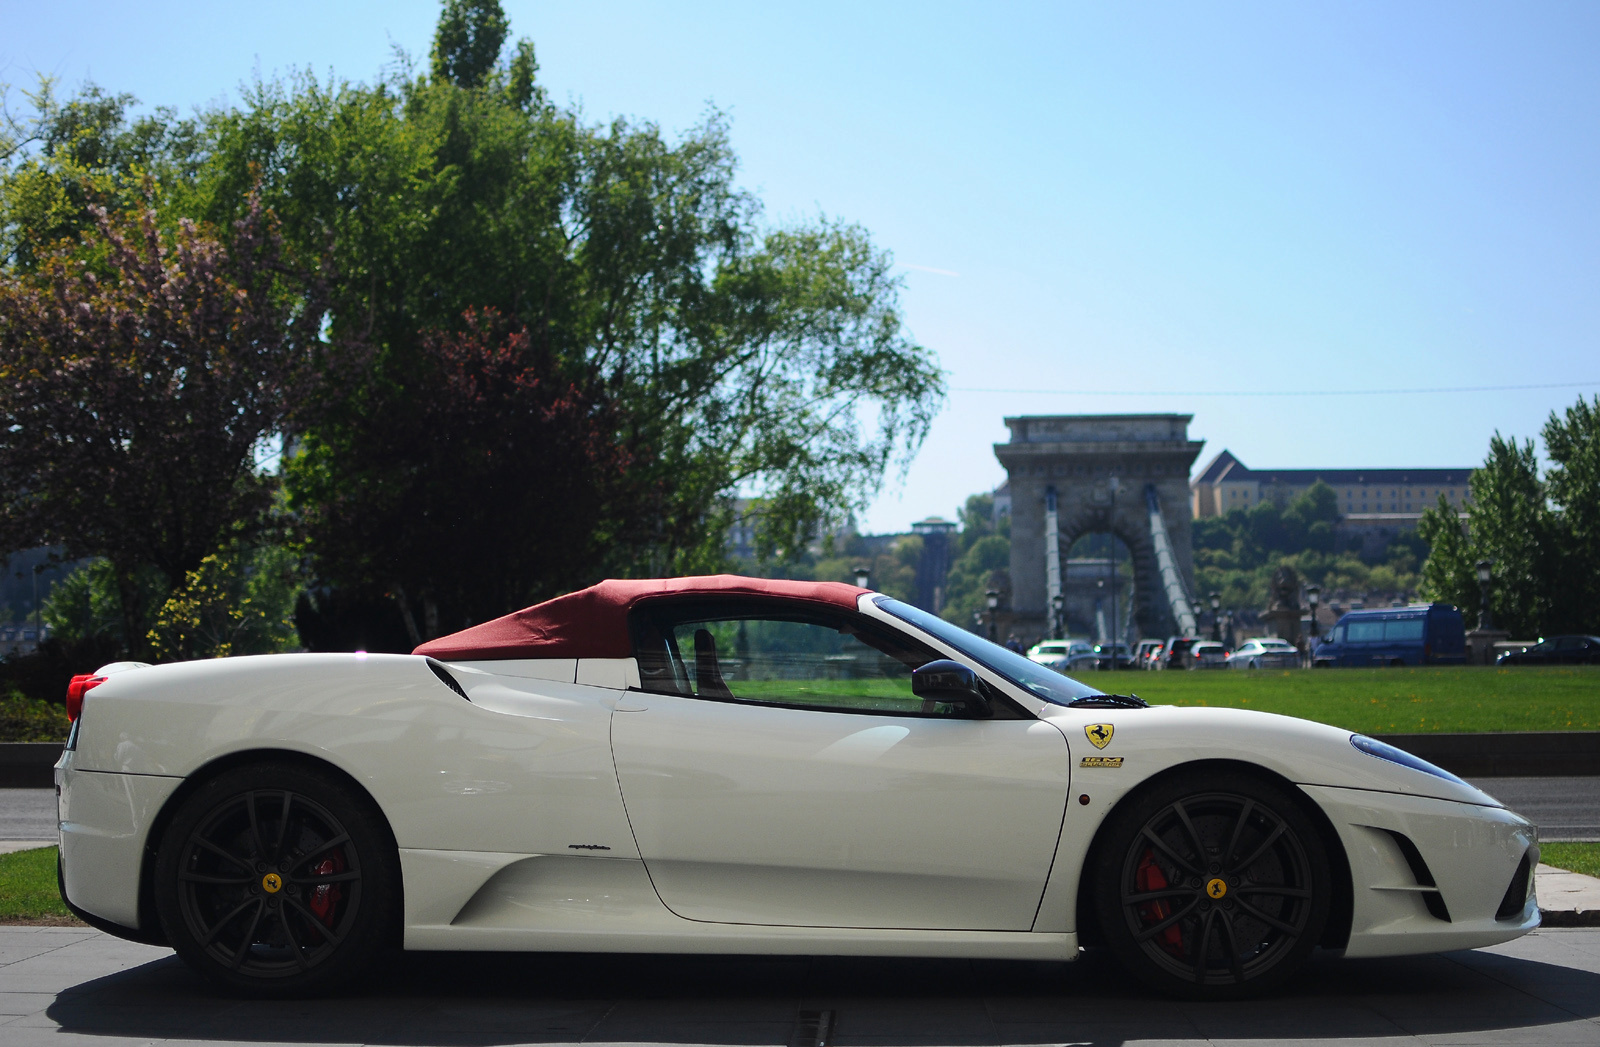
[467, 41]
[729, 354]
[1540, 533]
[138, 375]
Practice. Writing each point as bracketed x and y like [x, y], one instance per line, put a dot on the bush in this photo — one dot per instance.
[24, 719]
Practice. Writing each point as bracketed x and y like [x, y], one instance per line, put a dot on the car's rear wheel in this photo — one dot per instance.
[1212, 886]
[276, 880]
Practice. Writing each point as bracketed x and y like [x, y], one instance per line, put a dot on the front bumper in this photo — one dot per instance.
[1469, 852]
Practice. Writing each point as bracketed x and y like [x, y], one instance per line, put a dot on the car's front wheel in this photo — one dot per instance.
[277, 880]
[1212, 885]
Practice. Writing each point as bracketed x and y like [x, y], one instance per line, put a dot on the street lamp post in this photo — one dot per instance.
[1485, 574]
[992, 598]
[1313, 597]
[1114, 484]
[1216, 619]
[38, 637]
[863, 577]
[1056, 626]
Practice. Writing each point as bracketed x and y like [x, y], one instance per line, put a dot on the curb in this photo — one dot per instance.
[1569, 917]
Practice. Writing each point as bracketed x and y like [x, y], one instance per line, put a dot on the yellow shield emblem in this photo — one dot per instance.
[1099, 734]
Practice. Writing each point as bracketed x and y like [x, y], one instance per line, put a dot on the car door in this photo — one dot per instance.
[780, 771]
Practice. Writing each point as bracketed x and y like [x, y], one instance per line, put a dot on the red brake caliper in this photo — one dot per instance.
[1149, 877]
[325, 896]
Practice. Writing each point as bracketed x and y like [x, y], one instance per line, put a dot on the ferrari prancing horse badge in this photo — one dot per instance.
[1099, 734]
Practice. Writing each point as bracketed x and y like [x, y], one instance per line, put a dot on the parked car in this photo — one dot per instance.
[1064, 656]
[1144, 652]
[861, 777]
[1113, 656]
[1558, 650]
[1208, 654]
[1422, 634]
[1267, 652]
[1175, 652]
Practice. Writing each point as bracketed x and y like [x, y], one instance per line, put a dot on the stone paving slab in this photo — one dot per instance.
[66, 987]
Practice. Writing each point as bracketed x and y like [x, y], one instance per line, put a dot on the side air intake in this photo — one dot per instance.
[1422, 874]
[1516, 894]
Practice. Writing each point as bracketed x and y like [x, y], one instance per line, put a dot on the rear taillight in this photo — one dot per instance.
[75, 691]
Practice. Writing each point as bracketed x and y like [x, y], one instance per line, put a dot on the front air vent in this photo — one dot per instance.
[1422, 874]
[445, 678]
[1516, 894]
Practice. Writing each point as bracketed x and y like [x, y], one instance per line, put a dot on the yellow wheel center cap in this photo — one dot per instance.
[272, 883]
[1215, 887]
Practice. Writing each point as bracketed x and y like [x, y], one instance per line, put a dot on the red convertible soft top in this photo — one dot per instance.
[593, 622]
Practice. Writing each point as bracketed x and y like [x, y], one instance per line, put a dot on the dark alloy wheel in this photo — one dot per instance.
[1212, 886]
[277, 880]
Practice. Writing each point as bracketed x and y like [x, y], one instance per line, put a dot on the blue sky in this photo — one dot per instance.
[1094, 204]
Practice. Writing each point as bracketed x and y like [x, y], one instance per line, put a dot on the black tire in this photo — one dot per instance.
[278, 880]
[1155, 874]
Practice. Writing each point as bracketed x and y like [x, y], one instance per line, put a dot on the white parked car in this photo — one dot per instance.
[1065, 656]
[1268, 652]
[731, 765]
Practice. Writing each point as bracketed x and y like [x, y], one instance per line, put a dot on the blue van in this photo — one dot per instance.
[1421, 634]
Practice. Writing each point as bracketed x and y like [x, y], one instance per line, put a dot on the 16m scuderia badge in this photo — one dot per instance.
[1099, 734]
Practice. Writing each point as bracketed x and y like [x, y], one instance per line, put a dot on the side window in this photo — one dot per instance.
[750, 653]
[1404, 629]
[1366, 632]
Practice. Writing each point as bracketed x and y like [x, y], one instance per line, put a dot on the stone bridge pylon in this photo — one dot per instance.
[1078, 457]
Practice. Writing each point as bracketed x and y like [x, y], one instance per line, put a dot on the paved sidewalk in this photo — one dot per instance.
[67, 987]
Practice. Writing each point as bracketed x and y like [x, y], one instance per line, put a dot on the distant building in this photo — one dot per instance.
[1376, 504]
[934, 567]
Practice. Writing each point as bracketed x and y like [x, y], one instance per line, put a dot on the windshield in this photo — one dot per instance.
[1030, 676]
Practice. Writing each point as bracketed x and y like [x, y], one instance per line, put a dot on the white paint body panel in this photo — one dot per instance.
[748, 814]
[761, 829]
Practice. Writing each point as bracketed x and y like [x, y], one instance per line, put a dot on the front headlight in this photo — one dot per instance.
[1385, 751]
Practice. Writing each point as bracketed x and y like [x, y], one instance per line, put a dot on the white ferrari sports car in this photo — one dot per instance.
[738, 765]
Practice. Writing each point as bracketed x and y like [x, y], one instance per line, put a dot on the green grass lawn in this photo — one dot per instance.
[1389, 701]
[1574, 857]
[28, 891]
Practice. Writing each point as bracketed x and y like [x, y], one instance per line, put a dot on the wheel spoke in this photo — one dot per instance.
[1234, 963]
[1150, 896]
[1273, 889]
[255, 828]
[1204, 946]
[320, 849]
[234, 881]
[322, 928]
[249, 935]
[201, 841]
[1194, 835]
[317, 881]
[1272, 838]
[1154, 929]
[1269, 920]
[294, 943]
[1173, 856]
[217, 927]
[1238, 830]
[283, 826]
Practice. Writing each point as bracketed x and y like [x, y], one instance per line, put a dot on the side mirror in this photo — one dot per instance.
[943, 680]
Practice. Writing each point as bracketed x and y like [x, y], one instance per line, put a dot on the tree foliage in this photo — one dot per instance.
[138, 374]
[582, 340]
[1542, 534]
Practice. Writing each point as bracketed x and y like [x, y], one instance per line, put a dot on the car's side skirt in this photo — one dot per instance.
[488, 901]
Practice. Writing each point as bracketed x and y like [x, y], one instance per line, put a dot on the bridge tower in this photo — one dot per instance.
[1077, 456]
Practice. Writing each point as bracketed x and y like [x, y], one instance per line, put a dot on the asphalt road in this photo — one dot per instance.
[1563, 808]
[61, 986]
